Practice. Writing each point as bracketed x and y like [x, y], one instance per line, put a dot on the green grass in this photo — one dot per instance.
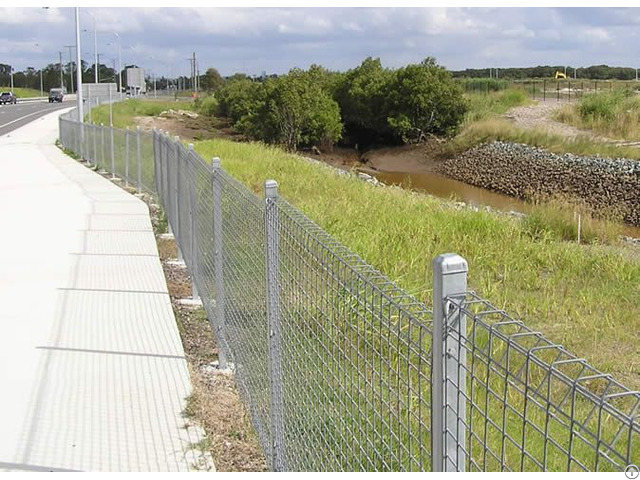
[615, 114]
[482, 105]
[124, 112]
[584, 297]
[483, 85]
[24, 92]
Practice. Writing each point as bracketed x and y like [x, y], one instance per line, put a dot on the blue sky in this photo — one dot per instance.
[253, 40]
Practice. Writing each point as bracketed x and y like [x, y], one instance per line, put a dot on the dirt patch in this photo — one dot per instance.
[421, 158]
[215, 402]
[540, 115]
[188, 128]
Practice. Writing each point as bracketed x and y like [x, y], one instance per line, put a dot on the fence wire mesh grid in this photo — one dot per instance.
[336, 364]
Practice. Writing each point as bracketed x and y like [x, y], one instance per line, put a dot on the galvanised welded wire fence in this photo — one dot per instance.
[342, 370]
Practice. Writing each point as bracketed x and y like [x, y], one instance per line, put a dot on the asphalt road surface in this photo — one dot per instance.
[14, 116]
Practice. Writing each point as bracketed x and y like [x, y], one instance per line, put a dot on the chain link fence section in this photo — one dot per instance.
[342, 370]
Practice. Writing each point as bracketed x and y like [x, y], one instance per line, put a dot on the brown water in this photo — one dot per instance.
[448, 188]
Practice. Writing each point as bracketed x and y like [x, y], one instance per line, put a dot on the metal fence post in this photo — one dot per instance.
[178, 230]
[126, 157]
[95, 144]
[139, 154]
[193, 222]
[102, 144]
[113, 154]
[448, 376]
[218, 262]
[274, 323]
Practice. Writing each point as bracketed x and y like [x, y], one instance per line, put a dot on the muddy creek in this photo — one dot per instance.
[450, 189]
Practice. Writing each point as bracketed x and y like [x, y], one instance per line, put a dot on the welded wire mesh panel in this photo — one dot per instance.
[531, 405]
[245, 321]
[355, 358]
[147, 170]
[182, 201]
[119, 144]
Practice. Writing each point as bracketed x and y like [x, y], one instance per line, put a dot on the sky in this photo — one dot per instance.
[273, 40]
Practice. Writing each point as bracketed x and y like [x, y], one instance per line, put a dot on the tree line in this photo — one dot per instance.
[366, 105]
[51, 76]
[594, 72]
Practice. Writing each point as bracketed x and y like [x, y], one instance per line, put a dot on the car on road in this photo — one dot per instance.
[56, 95]
[8, 97]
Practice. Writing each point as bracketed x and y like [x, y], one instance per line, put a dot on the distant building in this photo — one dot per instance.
[136, 83]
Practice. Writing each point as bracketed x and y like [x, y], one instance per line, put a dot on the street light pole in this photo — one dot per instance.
[70, 66]
[79, 70]
[119, 65]
[95, 50]
[12, 78]
[61, 78]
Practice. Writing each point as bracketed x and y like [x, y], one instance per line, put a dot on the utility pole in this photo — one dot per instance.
[97, 69]
[61, 79]
[197, 76]
[70, 65]
[12, 78]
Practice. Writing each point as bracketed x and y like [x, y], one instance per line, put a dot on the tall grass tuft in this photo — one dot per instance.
[482, 106]
[615, 114]
[565, 219]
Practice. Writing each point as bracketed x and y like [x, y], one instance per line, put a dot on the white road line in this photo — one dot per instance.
[39, 112]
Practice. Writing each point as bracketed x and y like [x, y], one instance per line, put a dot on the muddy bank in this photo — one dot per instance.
[524, 172]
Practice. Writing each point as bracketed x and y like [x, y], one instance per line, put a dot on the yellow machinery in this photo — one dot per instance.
[559, 74]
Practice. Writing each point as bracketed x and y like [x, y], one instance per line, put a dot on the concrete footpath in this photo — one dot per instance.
[92, 372]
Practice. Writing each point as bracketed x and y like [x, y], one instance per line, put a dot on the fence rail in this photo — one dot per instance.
[339, 368]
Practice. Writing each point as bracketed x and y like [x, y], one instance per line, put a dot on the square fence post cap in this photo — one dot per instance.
[271, 188]
[450, 263]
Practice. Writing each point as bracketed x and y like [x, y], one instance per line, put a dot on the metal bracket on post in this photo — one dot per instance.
[139, 155]
[218, 263]
[193, 224]
[274, 323]
[449, 359]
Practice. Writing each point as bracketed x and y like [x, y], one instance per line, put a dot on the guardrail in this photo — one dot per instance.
[343, 370]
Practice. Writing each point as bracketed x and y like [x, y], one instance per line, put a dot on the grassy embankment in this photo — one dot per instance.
[483, 124]
[124, 112]
[614, 114]
[584, 297]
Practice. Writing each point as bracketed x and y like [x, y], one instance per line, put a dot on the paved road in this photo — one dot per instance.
[92, 372]
[20, 114]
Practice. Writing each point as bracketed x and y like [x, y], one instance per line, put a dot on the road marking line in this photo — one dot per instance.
[26, 116]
